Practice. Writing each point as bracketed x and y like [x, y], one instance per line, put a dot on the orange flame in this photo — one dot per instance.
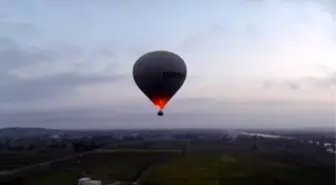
[160, 102]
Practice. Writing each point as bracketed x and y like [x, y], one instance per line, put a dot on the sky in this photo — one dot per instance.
[251, 63]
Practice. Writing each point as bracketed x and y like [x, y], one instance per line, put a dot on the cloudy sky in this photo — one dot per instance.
[251, 63]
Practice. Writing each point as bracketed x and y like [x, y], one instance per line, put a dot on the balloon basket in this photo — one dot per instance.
[160, 113]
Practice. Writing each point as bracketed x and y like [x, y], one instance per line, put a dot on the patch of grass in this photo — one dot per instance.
[52, 177]
[168, 166]
[151, 145]
[13, 160]
[105, 166]
[188, 170]
[138, 151]
[237, 169]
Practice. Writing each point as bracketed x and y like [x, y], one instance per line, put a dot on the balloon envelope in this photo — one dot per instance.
[159, 75]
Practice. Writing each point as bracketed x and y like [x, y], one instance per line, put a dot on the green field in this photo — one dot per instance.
[238, 169]
[107, 166]
[13, 160]
[168, 164]
[190, 170]
[155, 145]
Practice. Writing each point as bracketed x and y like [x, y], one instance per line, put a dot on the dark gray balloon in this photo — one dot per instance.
[159, 75]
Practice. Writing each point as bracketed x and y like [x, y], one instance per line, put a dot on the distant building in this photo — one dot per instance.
[55, 136]
[330, 150]
[82, 181]
[93, 182]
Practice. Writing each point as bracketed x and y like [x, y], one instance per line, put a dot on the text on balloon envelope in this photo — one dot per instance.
[168, 75]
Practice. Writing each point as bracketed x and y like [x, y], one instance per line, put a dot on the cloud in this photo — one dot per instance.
[17, 25]
[211, 32]
[29, 74]
[16, 28]
[284, 83]
[207, 114]
[12, 55]
[327, 82]
[26, 90]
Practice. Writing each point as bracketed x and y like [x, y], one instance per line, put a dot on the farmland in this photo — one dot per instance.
[106, 165]
[13, 160]
[170, 168]
[247, 160]
[238, 169]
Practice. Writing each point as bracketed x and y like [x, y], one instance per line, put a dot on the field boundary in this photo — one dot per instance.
[137, 151]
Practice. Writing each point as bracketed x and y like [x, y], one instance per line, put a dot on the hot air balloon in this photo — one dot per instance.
[159, 75]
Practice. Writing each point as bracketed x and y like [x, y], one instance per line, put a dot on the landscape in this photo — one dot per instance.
[220, 92]
[175, 156]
